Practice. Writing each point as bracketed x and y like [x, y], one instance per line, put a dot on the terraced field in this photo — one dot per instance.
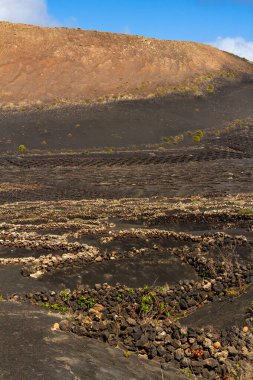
[148, 253]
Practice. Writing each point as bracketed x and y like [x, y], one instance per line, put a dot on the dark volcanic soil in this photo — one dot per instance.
[168, 178]
[125, 123]
[169, 231]
[145, 218]
[44, 354]
[220, 313]
[152, 269]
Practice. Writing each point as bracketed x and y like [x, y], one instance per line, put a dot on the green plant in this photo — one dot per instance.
[1, 298]
[230, 74]
[203, 274]
[119, 297]
[146, 304]
[90, 303]
[64, 294]
[183, 315]
[233, 292]
[127, 354]
[46, 305]
[187, 372]
[177, 139]
[83, 301]
[210, 89]
[165, 140]
[246, 211]
[56, 306]
[163, 306]
[145, 308]
[109, 150]
[22, 148]
[196, 139]
[169, 313]
[199, 133]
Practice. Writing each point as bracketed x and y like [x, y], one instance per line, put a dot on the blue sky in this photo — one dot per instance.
[197, 20]
[227, 24]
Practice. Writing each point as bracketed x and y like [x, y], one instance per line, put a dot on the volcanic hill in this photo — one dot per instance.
[70, 89]
[58, 64]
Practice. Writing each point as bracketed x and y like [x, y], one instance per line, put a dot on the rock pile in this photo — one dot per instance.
[146, 321]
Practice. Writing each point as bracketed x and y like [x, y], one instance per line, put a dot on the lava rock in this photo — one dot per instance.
[211, 363]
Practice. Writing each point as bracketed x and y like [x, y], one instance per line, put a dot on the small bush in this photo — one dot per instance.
[22, 148]
[177, 139]
[199, 133]
[165, 140]
[127, 354]
[246, 211]
[196, 139]
[210, 89]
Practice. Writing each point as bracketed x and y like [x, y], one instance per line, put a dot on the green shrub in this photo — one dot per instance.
[127, 354]
[146, 304]
[22, 148]
[177, 139]
[246, 211]
[88, 303]
[210, 89]
[196, 139]
[199, 133]
[165, 140]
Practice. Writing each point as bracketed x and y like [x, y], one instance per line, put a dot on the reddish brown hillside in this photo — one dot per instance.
[54, 64]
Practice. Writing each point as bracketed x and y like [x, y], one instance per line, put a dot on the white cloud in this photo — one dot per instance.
[237, 45]
[26, 11]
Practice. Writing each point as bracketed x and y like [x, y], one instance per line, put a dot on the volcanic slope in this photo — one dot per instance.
[57, 64]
